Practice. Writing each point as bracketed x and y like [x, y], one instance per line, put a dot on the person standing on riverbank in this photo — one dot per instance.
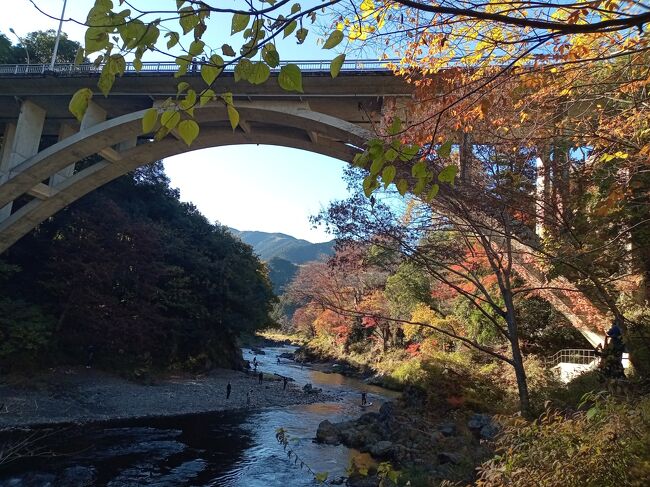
[284, 383]
[364, 399]
[228, 389]
[261, 377]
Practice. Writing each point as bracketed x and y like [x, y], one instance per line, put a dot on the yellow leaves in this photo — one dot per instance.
[233, 114]
[367, 6]
[79, 102]
[616, 155]
[609, 203]
[188, 130]
[149, 120]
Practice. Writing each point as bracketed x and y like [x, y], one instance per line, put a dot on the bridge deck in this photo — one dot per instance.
[361, 84]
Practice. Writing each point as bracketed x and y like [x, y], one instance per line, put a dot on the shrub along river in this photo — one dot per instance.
[236, 448]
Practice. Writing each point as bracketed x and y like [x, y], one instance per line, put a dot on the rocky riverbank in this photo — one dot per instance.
[80, 395]
[448, 447]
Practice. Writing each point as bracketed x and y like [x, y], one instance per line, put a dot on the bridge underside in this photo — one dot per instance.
[49, 159]
[47, 182]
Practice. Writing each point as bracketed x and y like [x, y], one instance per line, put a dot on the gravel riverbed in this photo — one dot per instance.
[80, 395]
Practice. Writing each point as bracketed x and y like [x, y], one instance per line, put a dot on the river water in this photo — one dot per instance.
[218, 449]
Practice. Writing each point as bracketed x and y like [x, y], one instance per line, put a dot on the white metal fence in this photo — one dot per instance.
[580, 356]
[71, 69]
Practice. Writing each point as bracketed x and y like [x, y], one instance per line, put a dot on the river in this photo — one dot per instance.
[218, 449]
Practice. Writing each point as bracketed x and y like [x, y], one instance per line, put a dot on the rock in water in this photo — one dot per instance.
[327, 433]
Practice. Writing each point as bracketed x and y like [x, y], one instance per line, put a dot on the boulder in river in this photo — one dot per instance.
[287, 355]
[309, 389]
[327, 433]
[258, 351]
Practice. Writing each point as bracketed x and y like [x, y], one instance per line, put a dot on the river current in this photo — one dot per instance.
[218, 449]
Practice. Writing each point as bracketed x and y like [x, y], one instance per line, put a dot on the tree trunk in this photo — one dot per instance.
[517, 359]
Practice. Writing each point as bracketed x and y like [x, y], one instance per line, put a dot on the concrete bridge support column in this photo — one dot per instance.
[65, 131]
[21, 143]
[94, 115]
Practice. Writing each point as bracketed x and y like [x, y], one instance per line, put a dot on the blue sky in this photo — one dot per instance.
[263, 188]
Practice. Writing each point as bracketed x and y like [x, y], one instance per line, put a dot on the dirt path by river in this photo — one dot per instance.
[82, 395]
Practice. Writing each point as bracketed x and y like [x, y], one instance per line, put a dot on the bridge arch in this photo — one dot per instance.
[124, 147]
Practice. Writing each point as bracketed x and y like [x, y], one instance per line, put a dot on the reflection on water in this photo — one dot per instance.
[219, 449]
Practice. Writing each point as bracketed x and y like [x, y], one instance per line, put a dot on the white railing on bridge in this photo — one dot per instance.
[71, 69]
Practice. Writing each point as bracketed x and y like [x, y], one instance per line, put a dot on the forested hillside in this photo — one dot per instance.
[270, 245]
[130, 277]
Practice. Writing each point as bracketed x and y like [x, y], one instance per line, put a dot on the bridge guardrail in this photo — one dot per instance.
[170, 67]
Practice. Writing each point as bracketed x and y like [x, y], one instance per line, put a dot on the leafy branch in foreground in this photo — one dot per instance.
[114, 35]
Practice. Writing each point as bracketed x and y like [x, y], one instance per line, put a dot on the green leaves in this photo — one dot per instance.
[243, 69]
[388, 175]
[334, 39]
[209, 72]
[270, 55]
[114, 65]
[448, 174]
[79, 102]
[149, 120]
[402, 186]
[188, 130]
[239, 22]
[196, 48]
[291, 26]
[183, 62]
[187, 19]
[173, 39]
[433, 192]
[259, 73]
[336, 64]
[301, 35]
[290, 78]
[444, 151]
[233, 114]
[170, 118]
[206, 96]
[95, 39]
[369, 184]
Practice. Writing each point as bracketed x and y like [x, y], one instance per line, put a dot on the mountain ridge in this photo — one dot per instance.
[269, 245]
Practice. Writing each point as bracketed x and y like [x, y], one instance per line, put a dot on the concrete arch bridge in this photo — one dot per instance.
[43, 144]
